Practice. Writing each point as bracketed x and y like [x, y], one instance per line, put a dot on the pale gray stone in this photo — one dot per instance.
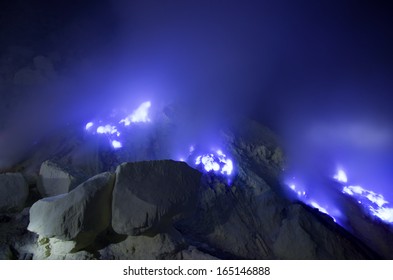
[147, 195]
[79, 215]
[54, 179]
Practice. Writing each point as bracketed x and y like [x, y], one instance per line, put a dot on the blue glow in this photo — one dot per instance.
[371, 202]
[303, 196]
[216, 162]
[113, 131]
[141, 114]
[89, 125]
[341, 176]
[116, 144]
[107, 129]
[319, 207]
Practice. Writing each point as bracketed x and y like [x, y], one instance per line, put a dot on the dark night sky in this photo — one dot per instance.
[312, 70]
[272, 57]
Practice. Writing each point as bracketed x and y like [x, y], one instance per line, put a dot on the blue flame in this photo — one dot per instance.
[116, 144]
[371, 201]
[216, 162]
[113, 131]
[304, 196]
[341, 176]
[89, 125]
[141, 114]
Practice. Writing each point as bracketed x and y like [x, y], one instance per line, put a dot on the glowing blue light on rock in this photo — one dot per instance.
[319, 207]
[385, 214]
[141, 114]
[216, 162]
[209, 163]
[360, 192]
[371, 201]
[303, 196]
[116, 144]
[228, 167]
[198, 160]
[301, 193]
[112, 130]
[341, 176]
[89, 125]
[107, 129]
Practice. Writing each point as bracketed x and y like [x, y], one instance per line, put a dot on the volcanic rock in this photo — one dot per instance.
[192, 253]
[13, 192]
[244, 222]
[307, 235]
[5, 252]
[160, 246]
[54, 179]
[148, 194]
[56, 249]
[78, 215]
[14, 238]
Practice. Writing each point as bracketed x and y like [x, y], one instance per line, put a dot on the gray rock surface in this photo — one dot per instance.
[5, 252]
[306, 234]
[13, 192]
[56, 249]
[147, 195]
[160, 246]
[54, 179]
[79, 215]
[193, 253]
[255, 223]
[15, 238]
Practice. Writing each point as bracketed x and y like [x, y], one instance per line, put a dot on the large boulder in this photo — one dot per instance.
[148, 194]
[55, 179]
[79, 215]
[13, 192]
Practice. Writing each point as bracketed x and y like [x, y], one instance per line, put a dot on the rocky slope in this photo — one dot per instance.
[166, 209]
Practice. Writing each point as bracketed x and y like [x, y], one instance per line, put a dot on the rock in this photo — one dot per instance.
[54, 179]
[193, 253]
[227, 221]
[256, 148]
[309, 234]
[15, 237]
[147, 195]
[56, 249]
[5, 252]
[249, 223]
[79, 215]
[160, 246]
[378, 236]
[13, 192]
